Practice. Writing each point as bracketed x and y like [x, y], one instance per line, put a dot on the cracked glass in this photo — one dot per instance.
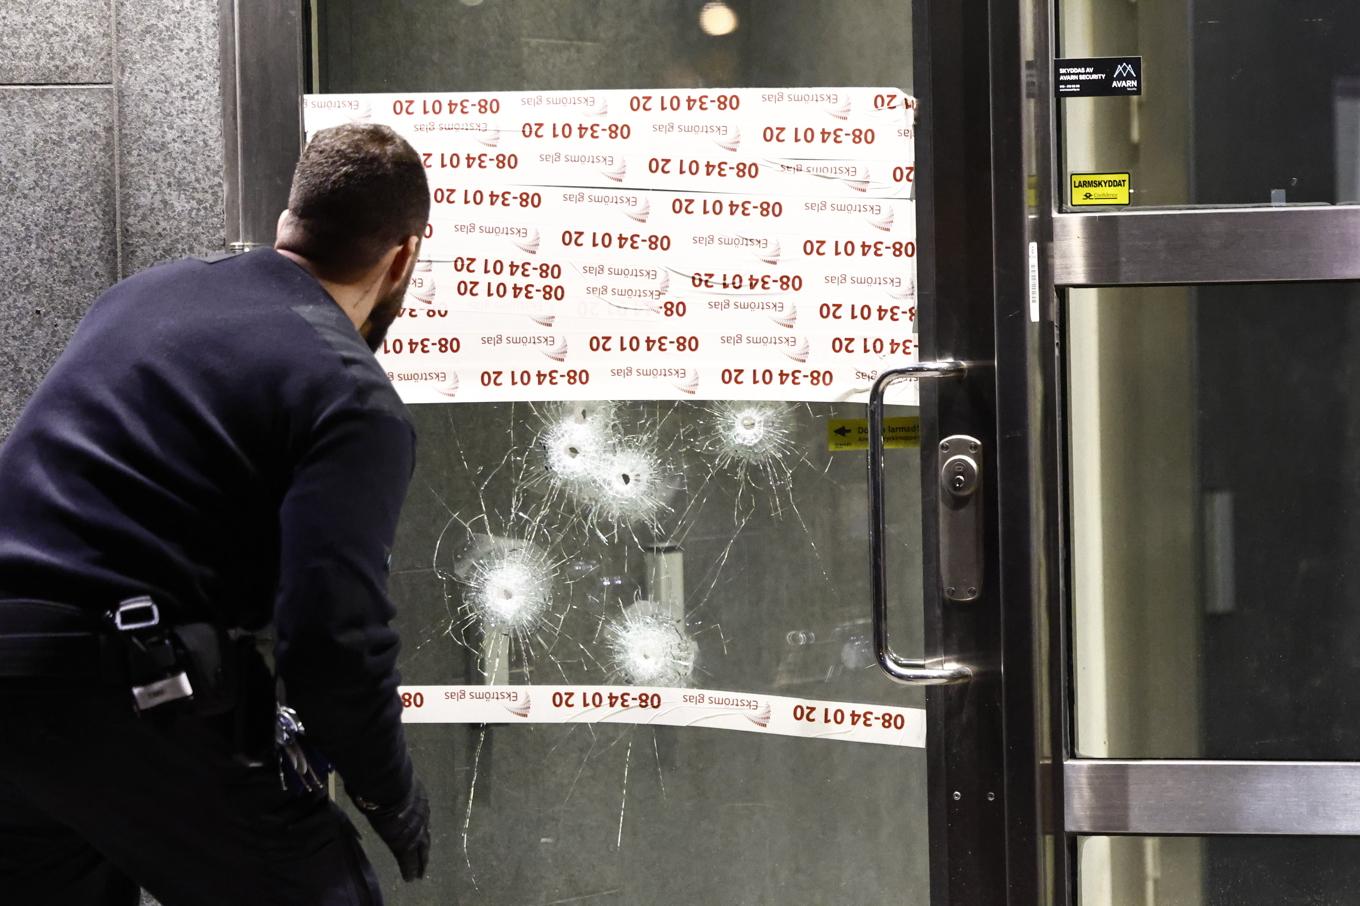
[715, 545]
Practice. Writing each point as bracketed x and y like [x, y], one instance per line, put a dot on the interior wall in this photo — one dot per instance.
[110, 160]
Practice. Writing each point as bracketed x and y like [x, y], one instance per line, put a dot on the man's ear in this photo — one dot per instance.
[406, 254]
[284, 217]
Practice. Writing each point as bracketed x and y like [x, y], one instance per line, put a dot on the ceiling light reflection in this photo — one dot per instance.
[718, 19]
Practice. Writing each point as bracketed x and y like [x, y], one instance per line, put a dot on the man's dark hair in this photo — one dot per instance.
[358, 190]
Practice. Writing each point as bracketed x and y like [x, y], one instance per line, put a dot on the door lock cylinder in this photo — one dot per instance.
[960, 518]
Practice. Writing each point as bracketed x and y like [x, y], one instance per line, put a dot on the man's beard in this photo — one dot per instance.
[374, 330]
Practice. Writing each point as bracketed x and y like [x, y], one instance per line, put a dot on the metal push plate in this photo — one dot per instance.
[960, 517]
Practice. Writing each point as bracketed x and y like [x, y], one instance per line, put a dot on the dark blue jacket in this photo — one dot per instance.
[218, 436]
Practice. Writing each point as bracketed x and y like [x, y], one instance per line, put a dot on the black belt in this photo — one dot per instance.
[48, 640]
[46, 645]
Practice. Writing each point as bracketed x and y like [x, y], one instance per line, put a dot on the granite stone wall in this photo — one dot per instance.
[110, 161]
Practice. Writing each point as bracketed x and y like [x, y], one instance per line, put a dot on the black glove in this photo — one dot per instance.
[405, 828]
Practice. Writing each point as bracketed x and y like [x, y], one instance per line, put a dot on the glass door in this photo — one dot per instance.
[1202, 589]
[726, 552]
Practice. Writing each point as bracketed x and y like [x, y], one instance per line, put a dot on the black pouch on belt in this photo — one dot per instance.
[229, 677]
[253, 727]
[212, 672]
[210, 661]
[189, 667]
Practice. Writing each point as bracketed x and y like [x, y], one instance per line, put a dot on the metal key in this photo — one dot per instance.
[288, 733]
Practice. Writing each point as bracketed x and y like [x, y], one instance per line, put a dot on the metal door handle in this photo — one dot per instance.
[909, 671]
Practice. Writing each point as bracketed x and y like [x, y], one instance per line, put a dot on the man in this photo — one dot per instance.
[217, 449]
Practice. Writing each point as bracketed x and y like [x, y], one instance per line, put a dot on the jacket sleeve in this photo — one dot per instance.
[336, 653]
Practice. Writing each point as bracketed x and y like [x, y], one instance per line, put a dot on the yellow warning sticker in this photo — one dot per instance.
[899, 433]
[1099, 188]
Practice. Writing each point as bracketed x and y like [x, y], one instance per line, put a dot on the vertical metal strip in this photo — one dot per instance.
[117, 142]
[269, 66]
[1018, 384]
[237, 130]
[231, 138]
[966, 756]
[1049, 475]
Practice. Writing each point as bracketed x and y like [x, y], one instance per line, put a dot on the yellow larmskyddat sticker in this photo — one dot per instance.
[1099, 189]
[899, 433]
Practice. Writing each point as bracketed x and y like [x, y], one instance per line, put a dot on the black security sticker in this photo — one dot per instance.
[1098, 77]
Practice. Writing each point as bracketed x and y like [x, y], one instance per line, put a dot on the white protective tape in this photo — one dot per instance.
[744, 243]
[746, 712]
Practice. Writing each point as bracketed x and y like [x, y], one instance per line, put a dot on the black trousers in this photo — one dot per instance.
[96, 801]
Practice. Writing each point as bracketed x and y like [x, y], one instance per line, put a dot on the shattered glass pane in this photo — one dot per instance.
[711, 545]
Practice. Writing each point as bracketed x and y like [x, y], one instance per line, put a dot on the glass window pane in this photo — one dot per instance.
[1243, 103]
[764, 569]
[765, 573]
[1218, 871]
[553, 45]
[1214, 521]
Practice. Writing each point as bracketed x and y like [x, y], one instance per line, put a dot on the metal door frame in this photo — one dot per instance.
[265, 47]
[984, 815]
[984, 781]
[1150, 247]
[983, 73]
